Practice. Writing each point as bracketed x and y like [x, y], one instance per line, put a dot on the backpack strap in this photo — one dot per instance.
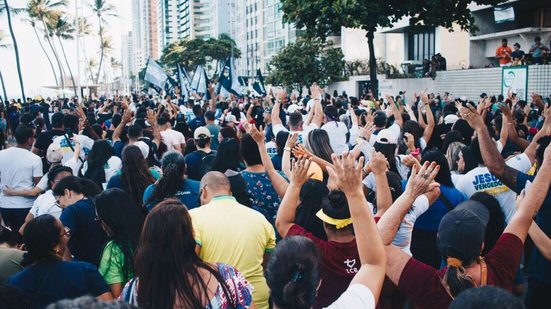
[446, 201]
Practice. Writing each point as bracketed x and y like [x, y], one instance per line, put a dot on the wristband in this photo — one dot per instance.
[287, 149]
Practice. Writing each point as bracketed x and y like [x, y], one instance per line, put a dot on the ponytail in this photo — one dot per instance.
[294, 293]
[456, 278]
[174, 168]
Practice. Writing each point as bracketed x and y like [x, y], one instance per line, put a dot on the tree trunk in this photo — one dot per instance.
[101, 49]
[372, 64]
[16, 49]
[68, 66]
[46, 53]
[50, 43]
[5, 98]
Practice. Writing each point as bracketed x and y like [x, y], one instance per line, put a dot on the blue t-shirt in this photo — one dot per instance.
[46, 282]
[87, 237]
[118, 146]
[276, 161]
[264, 197]
[193, 163]
[539, 267]
[188, 194]
[196, 122]
[430, 220]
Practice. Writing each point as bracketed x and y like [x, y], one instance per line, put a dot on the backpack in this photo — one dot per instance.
[206, 162]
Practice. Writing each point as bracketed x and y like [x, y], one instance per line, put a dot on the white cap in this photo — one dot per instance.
[450, 119]
[143, 148]
[231, 118]
[54, 154]
[202, 133]
[386, 137]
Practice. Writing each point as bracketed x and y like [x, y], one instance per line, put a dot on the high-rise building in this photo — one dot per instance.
[201, 18]
[127, 55]
[220, 17]
[167, 23]
[185, 22]
[259, 32]
[153, 37]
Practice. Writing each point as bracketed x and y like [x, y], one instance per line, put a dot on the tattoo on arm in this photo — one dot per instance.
[509, 177]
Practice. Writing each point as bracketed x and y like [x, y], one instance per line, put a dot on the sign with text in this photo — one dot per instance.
[515, 79]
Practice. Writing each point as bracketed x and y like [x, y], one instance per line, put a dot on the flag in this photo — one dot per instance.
[183, 79]
[155, 75]
[228, 81]
[258, 85]
[199, 82]
[169, 86]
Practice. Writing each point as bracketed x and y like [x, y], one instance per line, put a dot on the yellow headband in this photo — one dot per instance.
[338, 223]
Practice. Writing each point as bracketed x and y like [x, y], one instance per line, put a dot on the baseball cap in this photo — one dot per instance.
[144, 148]
[462, 230]
[450, 119]
[54, 154]
[231, 118]
[201, 133]
[386, 136]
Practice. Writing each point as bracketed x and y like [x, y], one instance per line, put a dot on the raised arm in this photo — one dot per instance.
[531, 200]
[507, 118]
[379, 165]
[275, 114]
[541, 240]
[429, 128]
[286, 159]
[279, 183]
[300, 151]
[287, 209]
[491, 156]
[152, 119]
[395, 111]
[370, 246]
[126, 119]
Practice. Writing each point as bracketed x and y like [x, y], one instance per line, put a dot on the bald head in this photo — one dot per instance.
[214, 184]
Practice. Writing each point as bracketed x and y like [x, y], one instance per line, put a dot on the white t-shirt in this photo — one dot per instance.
[337, 136]
[45, 204]
[18, 167]
[86, 144]
[481, 180]
[356, 296]
[112, 166]
[171, 137]
[302, 136]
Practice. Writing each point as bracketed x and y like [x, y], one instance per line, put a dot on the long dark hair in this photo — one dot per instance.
[293, 278]
[389, 151]
[169, 270]
[174, 169]
[135, 175]
[318, 142]
[124, 221]
[312, 194]
[79, 185]
[41, 235]
[227, 156]
[496, 224]
[100, 153]
[444, 176]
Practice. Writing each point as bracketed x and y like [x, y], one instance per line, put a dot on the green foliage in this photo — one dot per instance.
[307, 61]
[191, 53]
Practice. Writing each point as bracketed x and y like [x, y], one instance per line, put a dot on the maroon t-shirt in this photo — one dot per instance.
[339, 263]
[421, 283]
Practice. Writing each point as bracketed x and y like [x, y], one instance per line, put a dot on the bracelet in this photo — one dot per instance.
[287, 149]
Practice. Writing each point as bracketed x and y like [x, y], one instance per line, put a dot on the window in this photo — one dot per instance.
[421, 45]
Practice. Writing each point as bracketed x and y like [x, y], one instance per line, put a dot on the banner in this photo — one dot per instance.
[504, 14]
[155, 75]
[515, 78]
[228, 82]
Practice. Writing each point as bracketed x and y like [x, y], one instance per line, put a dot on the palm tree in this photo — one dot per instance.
[64, 29]
[45, 11]
[83, 29]
[102, 9]
[8, 11]
[32, 22]
[92, 64]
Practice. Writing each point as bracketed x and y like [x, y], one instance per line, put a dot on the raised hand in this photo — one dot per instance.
[421, 179]
[470, 115]
[127, 116]
[410, 140]
[151, 117]
[378, 163]
[291, 140]
[258, 135]
[349, 173]
[366, 131]
[299, 173]
[300, 151]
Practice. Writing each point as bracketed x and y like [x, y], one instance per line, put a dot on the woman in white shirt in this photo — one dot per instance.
[102, 163]
[337, 131]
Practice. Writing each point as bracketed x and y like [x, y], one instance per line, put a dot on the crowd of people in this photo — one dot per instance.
[537, 54]
[322, 201]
